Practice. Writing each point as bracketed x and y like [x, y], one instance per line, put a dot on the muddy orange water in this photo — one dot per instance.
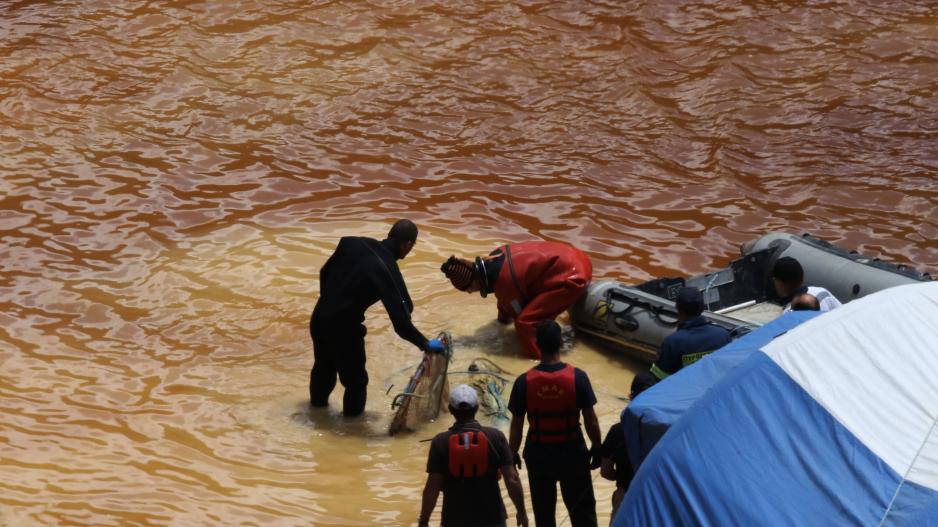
[175, 173]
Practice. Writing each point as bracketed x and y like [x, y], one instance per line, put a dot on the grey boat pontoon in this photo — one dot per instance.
[740, 297]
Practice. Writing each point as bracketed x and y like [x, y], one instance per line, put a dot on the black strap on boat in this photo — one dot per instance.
[654, 311]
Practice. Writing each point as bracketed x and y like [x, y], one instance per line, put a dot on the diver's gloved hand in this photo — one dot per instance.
[435, 346]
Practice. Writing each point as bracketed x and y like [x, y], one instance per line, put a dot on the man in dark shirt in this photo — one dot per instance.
[465, 463]
[788, 279]
[695, 336]
[360, 272]
[616, 465]
[553, 395]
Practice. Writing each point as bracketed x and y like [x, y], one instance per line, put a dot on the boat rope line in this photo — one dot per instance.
[902, 481]
[605, 308]
[707, 289]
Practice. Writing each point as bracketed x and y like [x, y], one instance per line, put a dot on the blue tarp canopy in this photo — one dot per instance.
[834, 422]
[650, 415]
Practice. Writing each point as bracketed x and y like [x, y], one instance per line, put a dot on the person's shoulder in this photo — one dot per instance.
[719, 329]
[578, 373]
[347, 241]
[676, 335]
[494, 433]
[444, 435]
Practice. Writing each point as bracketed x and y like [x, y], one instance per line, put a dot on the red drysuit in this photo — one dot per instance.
[538, 281]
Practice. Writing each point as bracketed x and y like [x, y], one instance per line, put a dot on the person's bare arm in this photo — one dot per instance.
[591, 424]
[431, 491]
[516, 493]
[514, 435]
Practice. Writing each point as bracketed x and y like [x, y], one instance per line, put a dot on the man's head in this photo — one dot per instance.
[404, 235]
[643, 381]
[787, 276]
[463, 402]
[548, 337]
[689, 302]
[463, 274]
[805, 302]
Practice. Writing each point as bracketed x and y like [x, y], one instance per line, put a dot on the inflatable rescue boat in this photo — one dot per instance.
[740, 297]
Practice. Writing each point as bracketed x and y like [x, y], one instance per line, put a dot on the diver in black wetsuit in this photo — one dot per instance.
[360, 272]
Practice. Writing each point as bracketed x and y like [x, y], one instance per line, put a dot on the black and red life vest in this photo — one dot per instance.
[551, 405]
[468, 454]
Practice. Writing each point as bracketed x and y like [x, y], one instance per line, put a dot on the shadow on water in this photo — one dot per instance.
[491, 338]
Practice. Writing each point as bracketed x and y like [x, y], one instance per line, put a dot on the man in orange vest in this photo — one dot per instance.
[465, 462]
[553, 395]
[532, 281]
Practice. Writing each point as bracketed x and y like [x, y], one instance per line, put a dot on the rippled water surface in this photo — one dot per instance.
[175, 173]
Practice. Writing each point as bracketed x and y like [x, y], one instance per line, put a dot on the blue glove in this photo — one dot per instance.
[435, 346]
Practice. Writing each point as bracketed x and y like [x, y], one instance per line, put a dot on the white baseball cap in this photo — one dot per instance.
[463, 396]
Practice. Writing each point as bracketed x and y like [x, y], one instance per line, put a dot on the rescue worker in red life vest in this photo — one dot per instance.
[532, 281]
[553, 395]
[466, 462]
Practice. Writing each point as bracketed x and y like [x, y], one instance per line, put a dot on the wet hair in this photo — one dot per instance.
[788, 271]
[548, 337]
[805, 302]
[463, 412]
[403, 231]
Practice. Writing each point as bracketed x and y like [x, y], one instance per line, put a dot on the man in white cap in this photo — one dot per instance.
[465, 463]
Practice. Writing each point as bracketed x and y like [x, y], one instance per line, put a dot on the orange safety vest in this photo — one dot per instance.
[551, 405]
[468, 454]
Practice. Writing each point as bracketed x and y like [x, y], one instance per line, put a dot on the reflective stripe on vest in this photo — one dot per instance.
[658, 372]
[690, 358]
[468, 454]
[551, 405]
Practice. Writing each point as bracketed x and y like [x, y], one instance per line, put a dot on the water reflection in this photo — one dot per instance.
[174, 175]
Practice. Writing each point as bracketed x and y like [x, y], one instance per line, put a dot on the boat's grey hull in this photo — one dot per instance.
[635, 319]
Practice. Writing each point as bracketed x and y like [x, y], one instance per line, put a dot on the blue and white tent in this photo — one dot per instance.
[832, 423]
[647, 418]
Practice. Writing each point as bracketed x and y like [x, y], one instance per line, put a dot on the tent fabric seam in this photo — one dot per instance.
[905, 476]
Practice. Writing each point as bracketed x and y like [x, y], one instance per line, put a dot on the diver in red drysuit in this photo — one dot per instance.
[532, 281]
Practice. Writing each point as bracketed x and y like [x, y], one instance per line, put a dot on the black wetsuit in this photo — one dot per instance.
[360, 272]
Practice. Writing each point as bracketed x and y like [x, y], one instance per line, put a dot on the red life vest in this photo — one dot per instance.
[468, 454]
[551, 405]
